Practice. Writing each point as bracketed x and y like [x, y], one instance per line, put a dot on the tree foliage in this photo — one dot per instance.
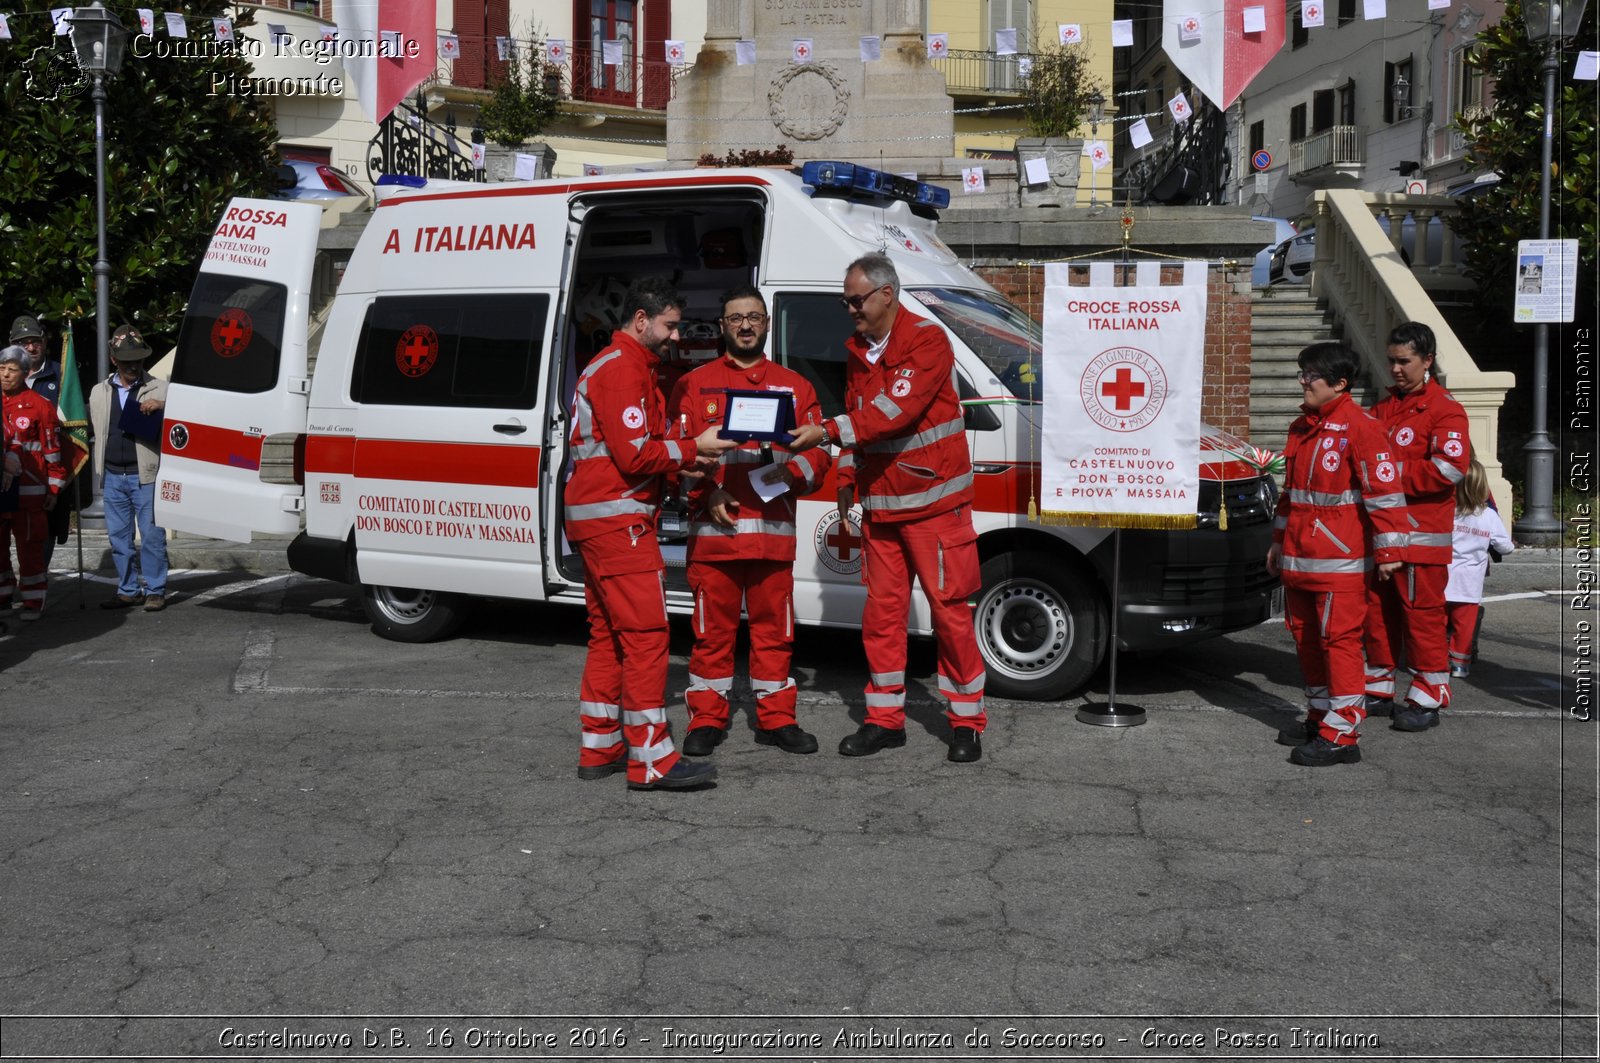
[524, 100]
[1506, 139]
[1056, 92]
[175, 154]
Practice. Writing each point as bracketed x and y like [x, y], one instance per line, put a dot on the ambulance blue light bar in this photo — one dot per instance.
[851, 179]
[404, 180]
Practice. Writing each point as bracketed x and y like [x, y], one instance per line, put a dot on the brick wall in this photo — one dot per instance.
[1225, 399]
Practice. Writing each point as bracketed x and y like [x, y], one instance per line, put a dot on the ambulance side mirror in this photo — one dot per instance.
[977, 418]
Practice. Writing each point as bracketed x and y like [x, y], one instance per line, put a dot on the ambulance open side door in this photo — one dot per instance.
[239, 375]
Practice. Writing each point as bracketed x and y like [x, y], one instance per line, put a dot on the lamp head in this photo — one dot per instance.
[98, 38]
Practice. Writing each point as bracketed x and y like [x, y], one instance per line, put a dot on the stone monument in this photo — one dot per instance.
[892, 113]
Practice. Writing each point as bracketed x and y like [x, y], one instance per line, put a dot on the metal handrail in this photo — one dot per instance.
[409, 142]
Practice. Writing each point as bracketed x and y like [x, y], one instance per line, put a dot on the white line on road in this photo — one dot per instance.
[238, 588]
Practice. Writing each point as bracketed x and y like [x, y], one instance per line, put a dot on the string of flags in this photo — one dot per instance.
[1192, 27]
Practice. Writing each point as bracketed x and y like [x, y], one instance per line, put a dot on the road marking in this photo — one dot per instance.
[238, 588]
[1523, 594]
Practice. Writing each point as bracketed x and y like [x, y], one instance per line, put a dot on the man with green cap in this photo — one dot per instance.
[125, 415]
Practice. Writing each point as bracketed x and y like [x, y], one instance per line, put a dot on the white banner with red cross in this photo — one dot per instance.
[1123, 370]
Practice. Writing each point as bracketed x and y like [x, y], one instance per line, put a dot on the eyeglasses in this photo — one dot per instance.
[1307, 379]
[854, 302]
[735, 320]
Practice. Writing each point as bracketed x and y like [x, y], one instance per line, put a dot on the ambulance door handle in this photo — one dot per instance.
[511, 428]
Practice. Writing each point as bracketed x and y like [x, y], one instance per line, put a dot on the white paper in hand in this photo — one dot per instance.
[768, 490]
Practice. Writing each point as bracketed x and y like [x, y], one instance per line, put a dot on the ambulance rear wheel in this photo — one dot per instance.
[407, 615]
[1042, 627]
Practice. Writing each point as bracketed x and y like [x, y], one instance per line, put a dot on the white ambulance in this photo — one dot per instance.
[426, 404]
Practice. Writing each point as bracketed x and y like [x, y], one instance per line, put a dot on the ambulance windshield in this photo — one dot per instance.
[1009, 342]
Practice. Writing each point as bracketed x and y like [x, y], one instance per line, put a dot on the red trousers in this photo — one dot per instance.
[1326, 626]
[765, 589]
[1407, 611]
[623, 693]
[1462, 619]
[942, 553]
[30, 529]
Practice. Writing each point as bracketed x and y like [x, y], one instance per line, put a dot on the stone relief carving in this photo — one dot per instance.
[808, 101]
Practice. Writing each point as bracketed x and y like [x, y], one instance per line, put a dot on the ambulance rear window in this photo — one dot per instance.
[477, 351]
[232, 335]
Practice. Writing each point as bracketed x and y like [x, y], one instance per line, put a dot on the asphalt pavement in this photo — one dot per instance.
[247, 827]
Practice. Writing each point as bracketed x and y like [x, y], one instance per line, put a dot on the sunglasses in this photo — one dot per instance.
[855, 302]
[1307, 379]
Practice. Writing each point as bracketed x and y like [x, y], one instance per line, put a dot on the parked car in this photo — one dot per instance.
[1290, 262]
[301, 179]
[1283, 229]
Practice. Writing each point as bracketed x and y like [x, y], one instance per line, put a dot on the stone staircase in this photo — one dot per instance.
[1284, 320]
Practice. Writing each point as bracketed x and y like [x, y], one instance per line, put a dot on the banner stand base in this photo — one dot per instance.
[1118, 714]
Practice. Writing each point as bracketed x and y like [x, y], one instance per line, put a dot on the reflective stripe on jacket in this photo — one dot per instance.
[903, 428]
[764, 529]
[33, 433]
[618, 444]
[1431, 440]
[1341, 499]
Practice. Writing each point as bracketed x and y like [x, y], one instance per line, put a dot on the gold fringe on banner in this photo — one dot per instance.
[1161, 521]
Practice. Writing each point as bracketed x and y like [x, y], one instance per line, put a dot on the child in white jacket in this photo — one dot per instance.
[1478, 530]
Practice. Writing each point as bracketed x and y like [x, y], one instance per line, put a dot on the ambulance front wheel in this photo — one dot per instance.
[1042, 626]
[407, 615]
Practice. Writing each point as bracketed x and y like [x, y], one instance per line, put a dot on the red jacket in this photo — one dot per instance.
[1433, 448]
[34, 433]
[1341, 485]
[764, 530]
[903, 432]
[618, 444]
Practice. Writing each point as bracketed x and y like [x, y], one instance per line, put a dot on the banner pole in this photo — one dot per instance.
[1111, 714]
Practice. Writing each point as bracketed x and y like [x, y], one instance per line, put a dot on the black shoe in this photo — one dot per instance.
[1299, 734]
[1460, 671]
[702, 741]
[870, 738]
[1380, 706]
[1321, 753]
[788, 738]
[684, 775]
[964, 745]
[1411, 718]
[602, 771]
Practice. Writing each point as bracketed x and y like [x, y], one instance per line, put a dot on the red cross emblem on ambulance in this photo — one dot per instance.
[231, 332]
[417, 351]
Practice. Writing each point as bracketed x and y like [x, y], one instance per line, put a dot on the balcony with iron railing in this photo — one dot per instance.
[645, 84]
[981, 75]
[1339, 151]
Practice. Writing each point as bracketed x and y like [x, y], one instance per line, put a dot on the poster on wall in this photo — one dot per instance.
[1122, 383]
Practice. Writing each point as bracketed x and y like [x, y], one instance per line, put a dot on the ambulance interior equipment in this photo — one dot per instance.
[413, 430]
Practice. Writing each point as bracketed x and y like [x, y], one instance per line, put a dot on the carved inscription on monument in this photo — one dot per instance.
[803, 13]
[808, 101]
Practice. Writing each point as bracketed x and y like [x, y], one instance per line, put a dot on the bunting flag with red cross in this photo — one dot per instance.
[1122, 382]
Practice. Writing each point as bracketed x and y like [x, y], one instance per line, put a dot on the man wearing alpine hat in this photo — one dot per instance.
[125, 416]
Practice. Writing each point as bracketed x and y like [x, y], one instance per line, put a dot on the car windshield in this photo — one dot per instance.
[1009, 342]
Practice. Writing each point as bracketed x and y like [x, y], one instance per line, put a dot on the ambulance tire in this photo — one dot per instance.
[406, 615]
[1042, 626]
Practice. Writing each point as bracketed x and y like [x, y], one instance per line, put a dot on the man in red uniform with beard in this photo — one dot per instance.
[741, 549]
[33, 434]
[906, 458]
[619, 451]
[1428, 434]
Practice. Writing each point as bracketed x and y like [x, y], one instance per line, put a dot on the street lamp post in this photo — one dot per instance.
[1551, 23]
[1097, 113]
[98, 37]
